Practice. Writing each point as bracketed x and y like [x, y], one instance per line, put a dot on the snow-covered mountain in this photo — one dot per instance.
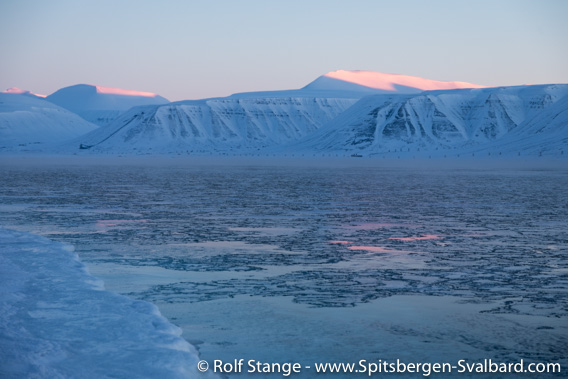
[101, 105]
[463, 119]
[342, 112]
[30, 122]
[253, 120]
[216, 124]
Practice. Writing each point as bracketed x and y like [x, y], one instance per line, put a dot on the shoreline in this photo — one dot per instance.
[436, 163]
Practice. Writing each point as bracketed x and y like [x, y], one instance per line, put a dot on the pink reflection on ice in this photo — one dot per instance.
[377, 249]
[124, 92]
[382, 81]
[417, 238]
[103, 224]
[375, 225]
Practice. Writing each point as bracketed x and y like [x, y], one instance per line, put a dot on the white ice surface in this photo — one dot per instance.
[57, 321]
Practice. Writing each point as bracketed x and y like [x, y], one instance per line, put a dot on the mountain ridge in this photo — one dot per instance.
[341, 112]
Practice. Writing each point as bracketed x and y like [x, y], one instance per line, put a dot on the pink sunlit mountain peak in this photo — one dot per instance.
[382, 82]
[124, 92]
[18, 91]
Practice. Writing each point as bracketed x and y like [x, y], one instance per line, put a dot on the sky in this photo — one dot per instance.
[184, 49]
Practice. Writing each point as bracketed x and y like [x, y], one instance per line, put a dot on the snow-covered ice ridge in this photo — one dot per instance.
[57, 321]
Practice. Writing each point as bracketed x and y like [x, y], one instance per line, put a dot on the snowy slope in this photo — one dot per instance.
[544, 133]
[101, 105]
[57, 321]
[456, 119]
[216, 124]
[28, 121]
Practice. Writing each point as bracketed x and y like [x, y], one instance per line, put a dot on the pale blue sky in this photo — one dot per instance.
[195, 49]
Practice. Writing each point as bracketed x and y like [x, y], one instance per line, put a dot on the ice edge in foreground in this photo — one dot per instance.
[57, 321]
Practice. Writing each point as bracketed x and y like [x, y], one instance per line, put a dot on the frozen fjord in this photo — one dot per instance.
[320, 264]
